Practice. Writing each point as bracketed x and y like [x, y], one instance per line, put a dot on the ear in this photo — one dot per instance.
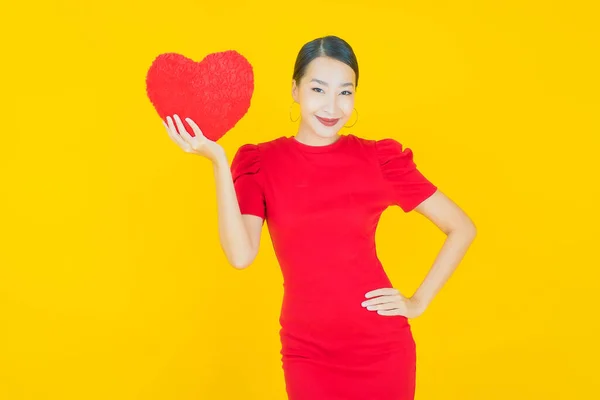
[294, 91]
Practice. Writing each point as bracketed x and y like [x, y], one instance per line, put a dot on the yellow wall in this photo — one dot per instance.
[112, 281]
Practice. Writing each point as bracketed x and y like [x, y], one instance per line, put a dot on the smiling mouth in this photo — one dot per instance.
[328, 121]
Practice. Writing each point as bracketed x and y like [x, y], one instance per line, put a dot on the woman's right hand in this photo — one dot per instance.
[198, 144]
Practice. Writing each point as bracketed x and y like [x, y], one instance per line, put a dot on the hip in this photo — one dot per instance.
[320, 333]
[358, 350]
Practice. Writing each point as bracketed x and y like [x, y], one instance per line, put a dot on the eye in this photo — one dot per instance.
[348, 93]
[318, 90]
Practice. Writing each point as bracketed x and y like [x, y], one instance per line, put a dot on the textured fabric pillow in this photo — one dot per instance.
[215, 92]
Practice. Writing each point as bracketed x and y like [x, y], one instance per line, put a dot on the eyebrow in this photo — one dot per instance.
[325, 83]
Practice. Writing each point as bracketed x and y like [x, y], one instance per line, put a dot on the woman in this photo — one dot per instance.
[344, 328]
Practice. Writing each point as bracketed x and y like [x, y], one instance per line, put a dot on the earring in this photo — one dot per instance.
[354, 121]
[293, 120]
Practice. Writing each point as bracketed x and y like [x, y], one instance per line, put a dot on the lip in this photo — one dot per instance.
[328, 121]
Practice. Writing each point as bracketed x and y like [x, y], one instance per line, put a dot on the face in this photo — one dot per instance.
[326, 97]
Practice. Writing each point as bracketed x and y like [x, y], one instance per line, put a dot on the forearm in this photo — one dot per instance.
[455, 246]
[233, 235]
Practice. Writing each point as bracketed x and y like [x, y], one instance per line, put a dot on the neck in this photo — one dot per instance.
[307, 136]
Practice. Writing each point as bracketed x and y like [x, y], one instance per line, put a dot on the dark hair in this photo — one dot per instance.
[327, 46]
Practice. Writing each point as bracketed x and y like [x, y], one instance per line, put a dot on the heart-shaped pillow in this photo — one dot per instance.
[215, 92]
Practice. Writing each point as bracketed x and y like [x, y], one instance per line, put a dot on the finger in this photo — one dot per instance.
[380, 300]
[177, 139]
[172, 134]
[389, 312]
[195, 128]
[386, 306]
[182, 131]
[382, 292]
[171, 125]
[175, 131]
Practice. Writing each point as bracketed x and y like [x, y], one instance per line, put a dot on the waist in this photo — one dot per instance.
[301, 278]
[338, 317]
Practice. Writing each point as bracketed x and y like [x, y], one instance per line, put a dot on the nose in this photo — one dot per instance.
[330, 104]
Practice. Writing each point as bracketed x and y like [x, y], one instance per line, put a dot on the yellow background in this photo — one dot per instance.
[112, 281]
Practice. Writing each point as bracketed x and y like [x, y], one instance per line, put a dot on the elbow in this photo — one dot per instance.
[238, 258]
[466, 229]
[241, 262]
[469, 230]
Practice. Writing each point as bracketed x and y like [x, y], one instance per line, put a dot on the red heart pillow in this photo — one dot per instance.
[215, 92]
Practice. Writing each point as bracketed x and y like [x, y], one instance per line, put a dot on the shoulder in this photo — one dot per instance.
[250, 156]
[247, 160]
[383, 149]
[361, 145]
[389, 149]
[260, 148]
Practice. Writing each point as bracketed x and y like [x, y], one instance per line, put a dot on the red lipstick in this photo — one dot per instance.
[328, 121]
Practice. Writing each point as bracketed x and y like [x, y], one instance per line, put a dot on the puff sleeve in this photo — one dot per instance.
[247, 180]
[408, 187]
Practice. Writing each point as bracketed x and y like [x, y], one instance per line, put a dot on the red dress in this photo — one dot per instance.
[322, 205]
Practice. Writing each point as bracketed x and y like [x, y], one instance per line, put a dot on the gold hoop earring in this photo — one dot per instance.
[293, 120]
[354, 121]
